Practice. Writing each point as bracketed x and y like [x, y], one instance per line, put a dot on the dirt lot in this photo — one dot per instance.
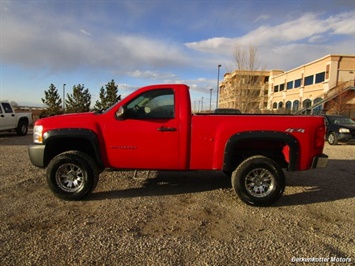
[175, 218]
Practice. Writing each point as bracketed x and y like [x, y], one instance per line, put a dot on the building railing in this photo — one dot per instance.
[332, 93]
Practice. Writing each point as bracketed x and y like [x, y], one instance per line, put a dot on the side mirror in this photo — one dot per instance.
[121, 113]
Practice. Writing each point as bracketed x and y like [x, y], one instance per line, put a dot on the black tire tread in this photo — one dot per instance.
[88, 163]
[238, 181]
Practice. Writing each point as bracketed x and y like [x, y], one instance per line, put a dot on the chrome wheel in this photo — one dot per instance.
[70, 177]
[332, 139]
[259, 182]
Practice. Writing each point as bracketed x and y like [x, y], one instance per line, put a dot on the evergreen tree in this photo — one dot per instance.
[108, 96]
[79, 101]
[53, 102]
[100, 104]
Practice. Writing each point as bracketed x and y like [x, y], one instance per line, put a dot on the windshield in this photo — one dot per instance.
[341, 120]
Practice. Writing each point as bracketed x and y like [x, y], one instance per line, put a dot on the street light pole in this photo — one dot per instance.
[219, 66]
[211, 99]
[64, 97]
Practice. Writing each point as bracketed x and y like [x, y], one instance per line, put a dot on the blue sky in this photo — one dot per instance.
[138, 43]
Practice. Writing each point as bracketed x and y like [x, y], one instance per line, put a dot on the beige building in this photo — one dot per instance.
[244, 90]
[317, 87]
[324, 85]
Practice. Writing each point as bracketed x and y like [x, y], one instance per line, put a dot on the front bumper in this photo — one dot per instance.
[320, 161]
[36, 153]
[344, 137]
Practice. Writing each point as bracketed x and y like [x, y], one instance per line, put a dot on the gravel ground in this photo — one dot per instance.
[174, 218]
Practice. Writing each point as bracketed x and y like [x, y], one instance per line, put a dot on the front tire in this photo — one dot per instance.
[332, 138]
[258, 181]
[72, 175]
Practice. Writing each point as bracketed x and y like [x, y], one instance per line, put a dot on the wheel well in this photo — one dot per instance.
[60, 145]
[280, 147]
[331, 131]
[23, 119]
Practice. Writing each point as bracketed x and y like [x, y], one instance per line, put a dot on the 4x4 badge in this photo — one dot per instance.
[299, 130]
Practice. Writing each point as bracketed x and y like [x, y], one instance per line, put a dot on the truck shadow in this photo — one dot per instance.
[170, 183]
[335, 182]
[12, 139]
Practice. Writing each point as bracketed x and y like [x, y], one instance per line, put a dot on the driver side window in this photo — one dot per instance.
[155, 104]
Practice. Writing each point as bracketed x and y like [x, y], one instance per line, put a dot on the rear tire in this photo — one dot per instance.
[22, 128]
[258, 181]
[72, 175]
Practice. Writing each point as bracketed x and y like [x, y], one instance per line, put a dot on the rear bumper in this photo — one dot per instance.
[36, 153]
[319, 161]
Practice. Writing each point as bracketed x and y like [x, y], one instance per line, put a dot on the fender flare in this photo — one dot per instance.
[288, 139]
[80, 133]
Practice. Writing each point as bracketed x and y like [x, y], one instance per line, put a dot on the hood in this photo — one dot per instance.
[79, 120]
[349, 126]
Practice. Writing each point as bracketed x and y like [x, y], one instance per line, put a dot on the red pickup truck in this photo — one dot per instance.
[153, 128]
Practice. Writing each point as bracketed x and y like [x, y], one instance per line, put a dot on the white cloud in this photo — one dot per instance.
[262, 17]
[303, 28]
[150, 74]
[297, 37]
[85, 32]
[212, 45]
[58, 46]
[318, 38]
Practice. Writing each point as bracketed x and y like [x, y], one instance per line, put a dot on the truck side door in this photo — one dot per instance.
[147, 137]
[7, 117]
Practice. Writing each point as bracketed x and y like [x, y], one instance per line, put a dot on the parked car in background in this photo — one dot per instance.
[10, 120]
[339, 129]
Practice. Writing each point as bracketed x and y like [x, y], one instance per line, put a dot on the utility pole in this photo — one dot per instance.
[64, 97]
[219, 66]
[211, 99]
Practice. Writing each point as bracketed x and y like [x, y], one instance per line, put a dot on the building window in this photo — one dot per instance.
[290, 85]
[297, 83]
[308, 80]
[282, 87]
[280, 105]
[276, 88]
[296, 105]
[307, 103]
[274, 105]
[317, 109]
[320, 77]
[288, 105]
[327, 71]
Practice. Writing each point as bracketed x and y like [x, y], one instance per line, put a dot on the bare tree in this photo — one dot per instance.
[248, 82]
[340, 104]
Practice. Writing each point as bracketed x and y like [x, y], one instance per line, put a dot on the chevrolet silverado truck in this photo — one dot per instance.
[154, 129]
[10, 120]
